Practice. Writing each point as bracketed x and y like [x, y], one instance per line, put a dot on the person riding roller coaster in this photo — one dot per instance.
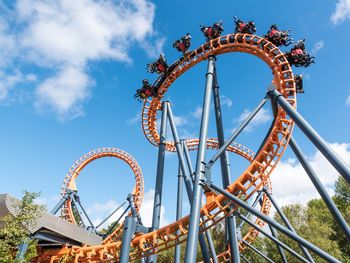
[146, 91]
[244, 28]
[213, 31]
[159, 66]
[278, 37]
[183, 44]
[298, 56]
[298, 79]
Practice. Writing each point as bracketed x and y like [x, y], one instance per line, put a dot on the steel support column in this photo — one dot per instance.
[235, 134]
[179, 206]
[187, 180]
[60, 203]
[116, 223]
[22, 250]
[274, 239]
[257, 251]
[280, 250]
[188, 160]
[230, 225]
[246, 260]
[158, 191]
[253, 205]
[316, 139]
[214, 257]
[276, 225]
[111, 214]
[77, 200]
[128, 232]
[192, 237]
[321, 190]
[286, 222]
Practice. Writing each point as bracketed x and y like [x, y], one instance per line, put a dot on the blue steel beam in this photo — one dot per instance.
[310, 132]
[273, 238]
[158, 192]
[192, 237]
[230, 224]
[321, 190]
[276, 225]
[235, 134]
[187, 180]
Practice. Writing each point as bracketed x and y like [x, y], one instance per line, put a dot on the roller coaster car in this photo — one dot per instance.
[278, 37]
[298, 56]
[298, 79]
[183, 44]
[244, 28]
[146, 91]
[159, 66]
[213, 31]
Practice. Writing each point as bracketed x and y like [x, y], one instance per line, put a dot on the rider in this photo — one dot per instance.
[299, 48]
[278, 37]
[213, 31]
[273, 32]
[244, 28]
[159, 66]
[183, 44]
[298, 79]
[147, 88]
[146, 91]
[298, 56]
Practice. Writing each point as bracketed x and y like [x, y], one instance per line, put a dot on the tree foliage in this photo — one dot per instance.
[315, 223]
[15, 229]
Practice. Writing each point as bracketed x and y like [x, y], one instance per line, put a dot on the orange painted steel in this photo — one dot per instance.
[78, 166]
[111, 246]
[251, 180]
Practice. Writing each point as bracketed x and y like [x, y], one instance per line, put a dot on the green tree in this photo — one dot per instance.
[315, 223]
[342, 200]
[15, 230]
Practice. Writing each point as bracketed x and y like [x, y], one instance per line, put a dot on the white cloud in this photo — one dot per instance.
[348, 100]
[7, 43]
[291, 183]
[146, 210]
[135, 119]
[99, 211]
[180, 120]
[226, 101]
[317, 47]
[48, 201]
[262, 117]
[154, 49]
[198, 112]
[341, 12]
[64, 92]
[65, 36]
[9, 81]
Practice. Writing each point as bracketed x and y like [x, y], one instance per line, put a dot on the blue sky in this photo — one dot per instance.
[69, 69]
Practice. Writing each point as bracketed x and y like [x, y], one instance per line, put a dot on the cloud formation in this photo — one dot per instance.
[347, 102]
[341, 12]
[263, 116]
[292, 185]
[99, 211]
[62, 37]
[317, 47]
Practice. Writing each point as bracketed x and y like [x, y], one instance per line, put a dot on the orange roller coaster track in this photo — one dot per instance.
[109, 250]
[78, 166]
[251, 180]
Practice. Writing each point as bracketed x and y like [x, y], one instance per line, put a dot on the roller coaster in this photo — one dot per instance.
[129, 240]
